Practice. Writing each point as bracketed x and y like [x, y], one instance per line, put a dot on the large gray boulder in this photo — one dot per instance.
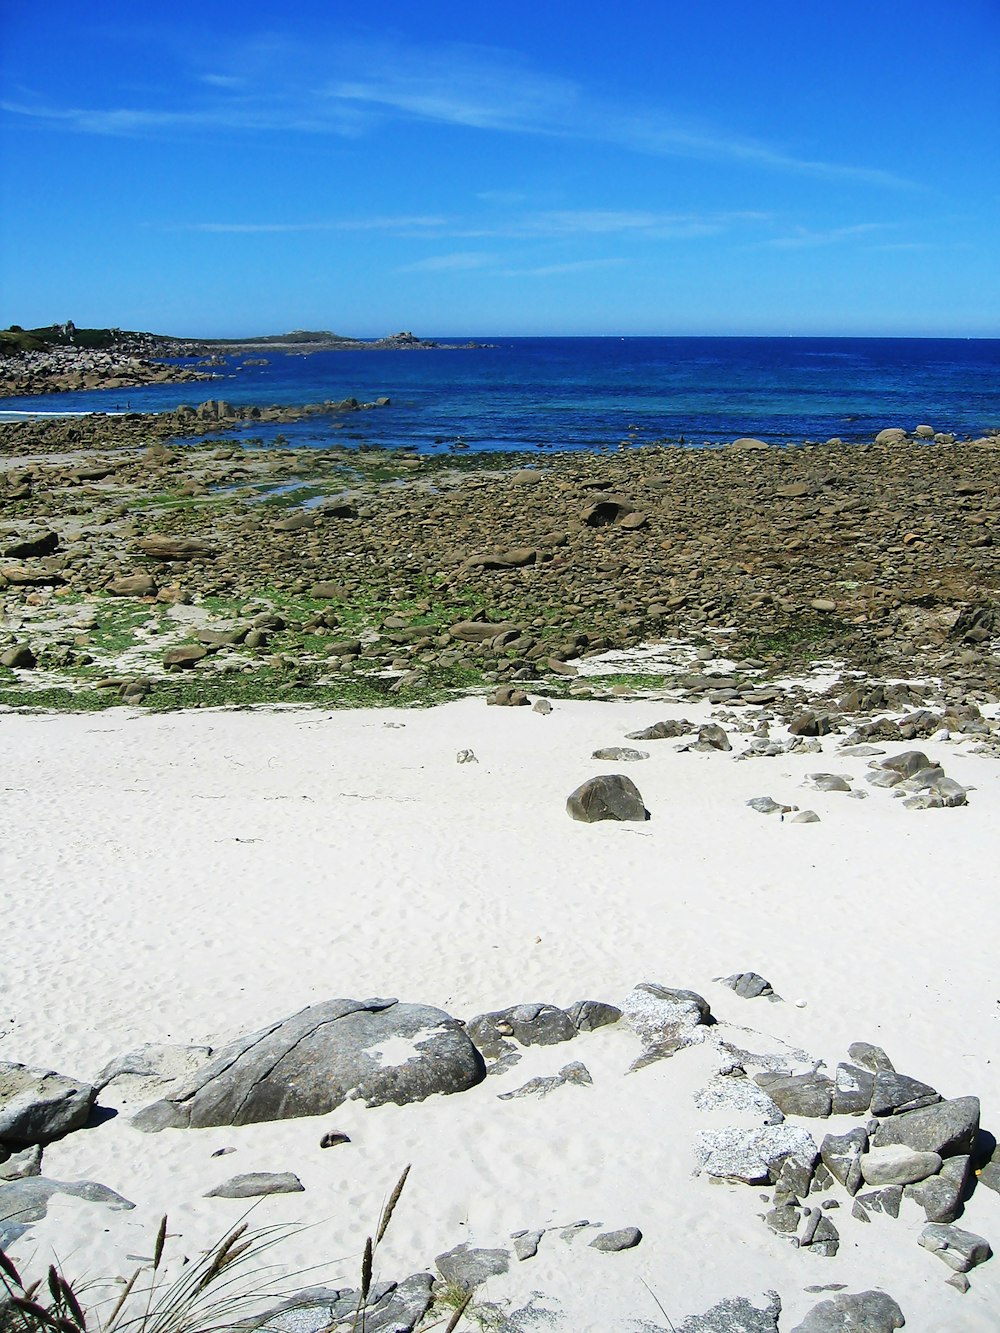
[37, 1105]
[864, 1312]
[610, 796]
[25, 1201]
[313, 1062]
[948, 1128]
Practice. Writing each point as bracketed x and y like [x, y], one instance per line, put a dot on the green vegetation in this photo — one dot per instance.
[797, 640]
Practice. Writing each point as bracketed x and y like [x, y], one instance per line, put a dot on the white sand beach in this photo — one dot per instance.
[186, 878]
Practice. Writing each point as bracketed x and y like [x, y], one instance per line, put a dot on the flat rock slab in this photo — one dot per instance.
[469, 1267]
[659, 1014]
[864, 1312]
[736, 1315]
[949, 1128]
[37, 1105]
[896, 1164]
[625, 1238]
[391, 1308]
[25, 1201]
[255, 1184]
[754, 1156]
[376, 1050]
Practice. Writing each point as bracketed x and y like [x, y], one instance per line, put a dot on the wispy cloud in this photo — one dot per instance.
[276, 85]
[397, 224]
[450, 263]
[804, 238]
[554, 270]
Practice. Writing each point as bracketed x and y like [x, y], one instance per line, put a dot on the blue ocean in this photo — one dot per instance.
[594, 393]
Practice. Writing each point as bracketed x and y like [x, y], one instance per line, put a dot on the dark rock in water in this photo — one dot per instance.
[895, 1094]
[25, 1201]
[469, 1267]
[799, 1094]
[870, 1057]
[254, 1184]
[626, 1238]
[527, 1024]
[960, 1250]
[311, 1063]
[610, 796]
[736, 1315]
[941, 1196]
[37, 1105]
[864, 1312]
[587, 1015]
[749, 985]
[948, 1128]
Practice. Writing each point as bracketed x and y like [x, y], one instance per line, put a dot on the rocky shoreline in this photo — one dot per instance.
[307, 568]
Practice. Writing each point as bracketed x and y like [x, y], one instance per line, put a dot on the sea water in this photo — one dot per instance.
[593, 393]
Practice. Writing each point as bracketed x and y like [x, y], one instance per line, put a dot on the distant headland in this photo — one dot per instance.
[64, 357]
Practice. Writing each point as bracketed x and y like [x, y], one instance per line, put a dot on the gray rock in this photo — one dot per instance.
[253, 1184]
[864, 1312]
[18, 1165]
[588, 1015]
[620, 754]
[948, 1128]
[541, 1087]
[898, 1165]
[712, 737]
[882, 1201]
[311, 1063]
[754, 1156]
[468, 1267]
[610, 796]
[767, 805]
[526, 1244]
[941, 1196]
[828, 782]
[960, 1250]
[907, 763]
[25, 1201]
[391, 1308]
[749, 985]
[736, 1314]
[799, 1094]
[660, 1015]
[37, 1105]
[852, 1090]
[989, 1175]
[806, 817]
[959, 1281]
[661, 731]
[870, 1057]
[610, 1242]
[841, 1155]
[527, 1024]
[150, 1070]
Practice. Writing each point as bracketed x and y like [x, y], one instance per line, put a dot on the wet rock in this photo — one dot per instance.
[610, 796]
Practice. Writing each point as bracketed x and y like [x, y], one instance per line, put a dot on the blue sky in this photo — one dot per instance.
[560, 166]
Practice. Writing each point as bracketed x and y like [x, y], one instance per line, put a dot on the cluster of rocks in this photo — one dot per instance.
[556, 563]
[68, 369]
[912, 1145]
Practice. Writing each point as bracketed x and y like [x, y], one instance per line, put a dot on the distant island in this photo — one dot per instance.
[64, 357]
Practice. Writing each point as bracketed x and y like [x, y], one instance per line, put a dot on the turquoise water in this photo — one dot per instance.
[592, 393]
